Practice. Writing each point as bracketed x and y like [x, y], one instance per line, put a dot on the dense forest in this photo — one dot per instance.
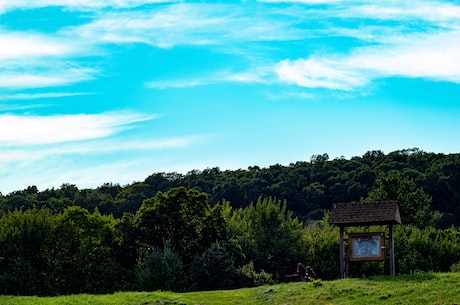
[308, 187]
[215, 229]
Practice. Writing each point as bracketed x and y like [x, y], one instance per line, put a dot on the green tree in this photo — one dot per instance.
[25, 240]
[322, 245]
[161, 269]
[83, 257]
[268, 235]
[213, 269]
[131, 197]
[177, 217]
[426, 249]
[413, 201]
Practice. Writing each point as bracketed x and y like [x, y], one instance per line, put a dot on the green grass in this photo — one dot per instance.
[430, 288]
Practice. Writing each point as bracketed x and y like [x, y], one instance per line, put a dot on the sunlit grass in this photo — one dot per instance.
[430, 288]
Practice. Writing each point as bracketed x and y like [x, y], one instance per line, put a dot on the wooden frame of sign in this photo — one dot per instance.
[366, 246]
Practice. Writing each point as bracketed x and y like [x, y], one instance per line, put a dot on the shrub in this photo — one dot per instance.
[249, 277]
[322, 248]
[455, 267]
[214, 269]
[161, 269]
[426, 249]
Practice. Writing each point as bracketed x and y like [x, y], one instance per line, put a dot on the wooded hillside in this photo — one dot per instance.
[309, 187]
[217, 229]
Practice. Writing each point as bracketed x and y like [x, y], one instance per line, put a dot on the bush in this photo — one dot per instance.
[426, 249]
[455, 267]
[268, 235]
[21, 278]
[25, 240]
[214, 269]
[322, 246]
[248, 277]
[161, 269]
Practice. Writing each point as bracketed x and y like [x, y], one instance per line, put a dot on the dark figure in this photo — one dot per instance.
[305, 273]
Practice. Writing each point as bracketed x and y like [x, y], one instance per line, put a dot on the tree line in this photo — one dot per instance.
[217, 229]
[175, 241]
[309, 187]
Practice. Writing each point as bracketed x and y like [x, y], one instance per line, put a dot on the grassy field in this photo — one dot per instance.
[431, 288]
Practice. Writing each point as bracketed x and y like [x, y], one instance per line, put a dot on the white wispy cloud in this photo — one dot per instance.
[43, 95]
[318, 73]
[51, 165]
[24, 78]
[20, 101]
[20, 45]
[32, 130]
[184, 83]
[156, 27]
[302, 1]
[187, 24]
[390, 9]
[52, 172]
[436, 11]
[7, 5]
[400, 49]
[36, 60]
[432, 56]
[256, 75]
[95, 146]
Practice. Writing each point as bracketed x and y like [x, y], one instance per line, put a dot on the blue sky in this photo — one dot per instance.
[113, 91]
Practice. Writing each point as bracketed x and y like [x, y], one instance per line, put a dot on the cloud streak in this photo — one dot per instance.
[24, 78]
[396, 50]
[34, 60]
[33, 130]
[83, 5]
[432, 56]
[196, 24]
[34, 96]
[230, 24]
[256, 75]
[90, 147]
[20, 45]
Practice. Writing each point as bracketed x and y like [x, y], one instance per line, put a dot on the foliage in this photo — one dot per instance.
[249, 277]
[321, 244]
[161, 269]
[317, 283]
[221, 229]
[455, 267]
[24, 252]
[307, 187]
[77, 251]
[426, 249]
[82, 256]
[268, 235]
[414, 203]
[213, 269]
[180, 217]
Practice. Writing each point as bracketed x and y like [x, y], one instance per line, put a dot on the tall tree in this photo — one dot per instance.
[268, 234]
[179, 217]
[25, 241]
[413, 201]
[83, 256]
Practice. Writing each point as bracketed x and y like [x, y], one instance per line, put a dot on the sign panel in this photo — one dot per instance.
[366, 246]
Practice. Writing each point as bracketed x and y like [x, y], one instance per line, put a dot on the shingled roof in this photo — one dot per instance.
[366, 213]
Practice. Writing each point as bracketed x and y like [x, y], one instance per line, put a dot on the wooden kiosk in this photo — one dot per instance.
[366, 246]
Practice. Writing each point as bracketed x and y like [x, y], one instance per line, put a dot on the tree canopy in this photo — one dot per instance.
[309, 187]
[215, 229]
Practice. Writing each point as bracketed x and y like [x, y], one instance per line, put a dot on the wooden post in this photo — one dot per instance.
[392, 251]
[342, 253]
